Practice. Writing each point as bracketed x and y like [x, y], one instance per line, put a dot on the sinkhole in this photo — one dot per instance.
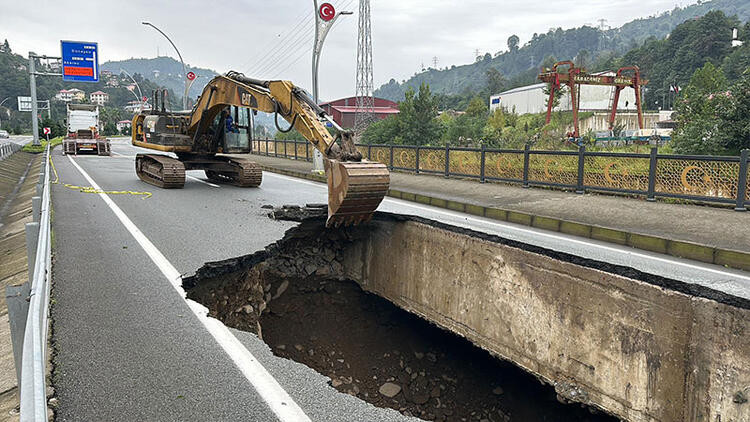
[306, 297]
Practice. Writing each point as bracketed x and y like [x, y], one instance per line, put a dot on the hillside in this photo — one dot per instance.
[520, 65]
[164, 71]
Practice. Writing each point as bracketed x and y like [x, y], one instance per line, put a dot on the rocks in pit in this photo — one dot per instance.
[297, 213]
[390, 390]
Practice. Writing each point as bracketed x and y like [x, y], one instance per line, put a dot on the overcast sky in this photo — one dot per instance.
[273, 39]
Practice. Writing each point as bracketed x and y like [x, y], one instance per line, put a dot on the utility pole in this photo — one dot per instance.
[434, 62]
[325, 17]
[476, 54]
[365, 104]
[34, 107]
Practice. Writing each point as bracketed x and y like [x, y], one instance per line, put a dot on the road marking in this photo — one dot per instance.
[511, 227]
[285, 408]
[203, 181]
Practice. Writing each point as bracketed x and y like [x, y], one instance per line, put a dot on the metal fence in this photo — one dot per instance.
[28, 307]
[693, 177]
[7, 149]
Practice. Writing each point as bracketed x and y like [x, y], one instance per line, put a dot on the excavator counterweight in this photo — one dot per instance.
[201, 141]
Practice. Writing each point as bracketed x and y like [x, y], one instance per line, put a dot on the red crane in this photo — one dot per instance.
[629, 76]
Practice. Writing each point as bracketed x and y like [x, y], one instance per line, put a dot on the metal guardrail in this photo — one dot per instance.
[693, 177]
[28, 306]
[7, 149]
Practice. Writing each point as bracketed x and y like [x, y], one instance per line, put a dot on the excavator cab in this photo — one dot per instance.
[237, 141]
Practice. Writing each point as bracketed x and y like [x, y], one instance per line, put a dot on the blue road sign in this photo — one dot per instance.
[80, 61]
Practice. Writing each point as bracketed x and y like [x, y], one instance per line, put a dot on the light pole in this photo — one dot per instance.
[184, 70]
[1, 103]
[325, 17]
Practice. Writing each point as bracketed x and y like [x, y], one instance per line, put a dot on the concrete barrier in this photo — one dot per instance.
[641, 347]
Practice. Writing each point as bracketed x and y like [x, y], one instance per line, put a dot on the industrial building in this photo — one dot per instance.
[343, 110]
[532, 99]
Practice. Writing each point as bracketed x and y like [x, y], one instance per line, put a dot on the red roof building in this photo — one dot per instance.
[343, 110]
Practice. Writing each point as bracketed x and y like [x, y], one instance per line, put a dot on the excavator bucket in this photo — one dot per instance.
[355, 189]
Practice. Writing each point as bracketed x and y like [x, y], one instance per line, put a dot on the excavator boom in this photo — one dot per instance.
[355, 186]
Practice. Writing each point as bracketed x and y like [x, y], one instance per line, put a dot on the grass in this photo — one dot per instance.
[36, 149]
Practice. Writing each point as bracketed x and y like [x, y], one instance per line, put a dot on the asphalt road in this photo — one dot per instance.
[19, 139]
[130, 347]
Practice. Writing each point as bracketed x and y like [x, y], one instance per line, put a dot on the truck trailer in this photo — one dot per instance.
[83, 131]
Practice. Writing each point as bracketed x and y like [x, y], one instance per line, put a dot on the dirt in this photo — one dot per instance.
[295, 297]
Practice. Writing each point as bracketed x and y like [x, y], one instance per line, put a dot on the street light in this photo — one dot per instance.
[184, 70]
[323, 24]
[135, 82]
[1, 103]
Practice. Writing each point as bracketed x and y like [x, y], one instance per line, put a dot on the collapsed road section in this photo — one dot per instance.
[413, 314]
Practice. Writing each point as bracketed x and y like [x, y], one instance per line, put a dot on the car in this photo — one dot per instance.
[4, 134]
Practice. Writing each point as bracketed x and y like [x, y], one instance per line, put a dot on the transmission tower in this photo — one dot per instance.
[365, 104]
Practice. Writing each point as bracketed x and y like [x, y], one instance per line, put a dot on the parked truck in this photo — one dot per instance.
[83, 131]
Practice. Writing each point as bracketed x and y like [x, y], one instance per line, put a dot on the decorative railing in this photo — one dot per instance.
[693, 177]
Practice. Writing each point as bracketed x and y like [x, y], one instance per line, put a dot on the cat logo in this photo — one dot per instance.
[246, 98]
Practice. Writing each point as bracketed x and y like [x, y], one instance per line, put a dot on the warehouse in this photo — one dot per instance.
[532, 99]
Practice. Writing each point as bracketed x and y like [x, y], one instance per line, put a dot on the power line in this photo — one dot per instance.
[278, 53]
[286, 57]
[249, 62]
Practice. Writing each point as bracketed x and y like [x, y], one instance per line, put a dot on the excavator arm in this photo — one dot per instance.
[355, 186]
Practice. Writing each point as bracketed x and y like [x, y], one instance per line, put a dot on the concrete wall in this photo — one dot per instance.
[637, 350]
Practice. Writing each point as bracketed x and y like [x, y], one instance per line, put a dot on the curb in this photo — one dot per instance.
[697, 252]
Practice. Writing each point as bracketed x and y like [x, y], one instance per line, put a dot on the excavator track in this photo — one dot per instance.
[355, 190]
[245, 174]
[160, 170]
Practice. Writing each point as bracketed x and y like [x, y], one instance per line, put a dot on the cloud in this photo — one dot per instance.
[236, 35]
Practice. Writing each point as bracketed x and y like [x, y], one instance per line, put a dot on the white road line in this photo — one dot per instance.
[285, 408]
[203, 181]
[540, 233]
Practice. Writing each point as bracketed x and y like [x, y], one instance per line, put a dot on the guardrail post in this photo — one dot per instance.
[32, 237]
[416, 163]
[651, 195]
[481, 165]
[391, 157]
[36, 208]
[447, 160]
[526, 149]
[295, 150]
[285, 154]
[369, 152]
[266, 147]
[742, 182]
[581, 161]
[17, 299]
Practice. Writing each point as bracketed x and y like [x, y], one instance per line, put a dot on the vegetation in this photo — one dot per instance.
[15, 82]
[713, 117]
[43, 145]
[586, 44]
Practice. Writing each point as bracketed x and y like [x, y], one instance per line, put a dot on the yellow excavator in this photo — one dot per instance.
[221, 123]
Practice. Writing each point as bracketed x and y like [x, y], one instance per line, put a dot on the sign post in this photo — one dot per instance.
[46, 132]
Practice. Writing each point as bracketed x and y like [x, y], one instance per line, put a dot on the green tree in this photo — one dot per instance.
[417, 116]
[513, 43]
[699, 130]
[495, 81]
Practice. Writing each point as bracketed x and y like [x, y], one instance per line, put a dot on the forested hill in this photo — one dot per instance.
[519, 64]
[164, 71]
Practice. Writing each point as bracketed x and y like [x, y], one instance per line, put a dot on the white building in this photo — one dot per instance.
[69, 95]
[136, 106]
[98, 97]
[123, 125]
[532, 99]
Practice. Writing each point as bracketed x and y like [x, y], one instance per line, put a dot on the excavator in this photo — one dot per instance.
[201, 140]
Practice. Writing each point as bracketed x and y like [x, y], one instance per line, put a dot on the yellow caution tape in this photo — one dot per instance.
[90, 189]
